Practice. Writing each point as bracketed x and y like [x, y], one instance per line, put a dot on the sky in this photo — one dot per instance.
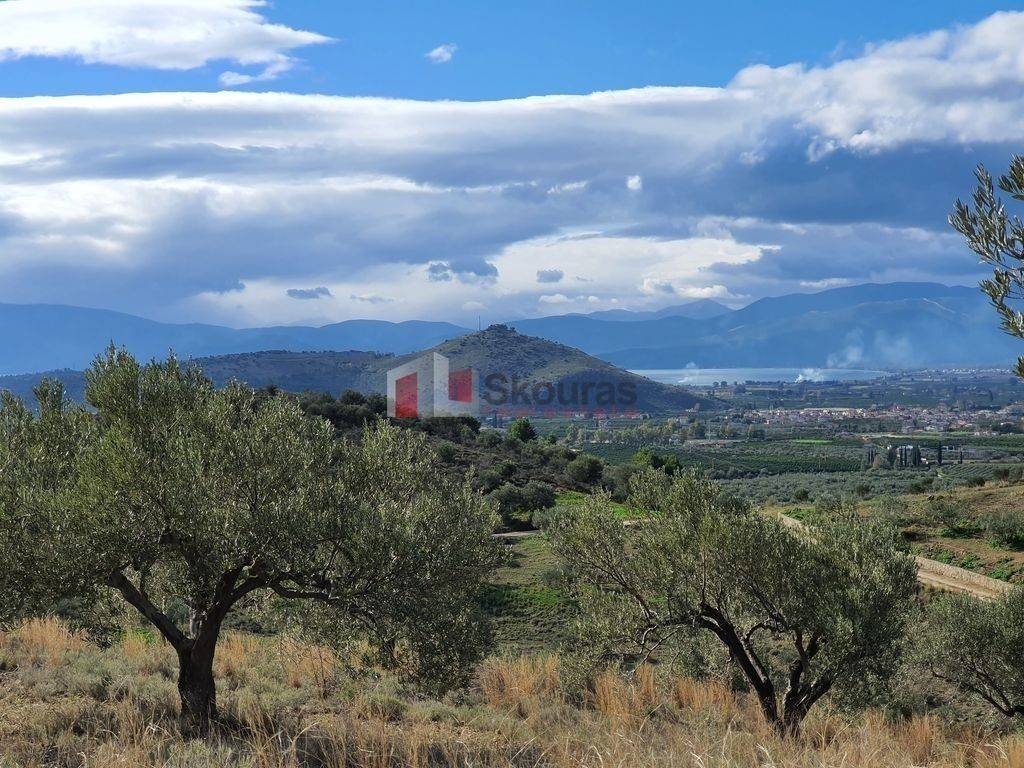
[251, 163]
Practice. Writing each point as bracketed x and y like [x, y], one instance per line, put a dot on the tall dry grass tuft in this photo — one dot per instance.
[304, 664]
[512, 683]
[921, 737]
[235, 653]
[1008, 753]
[44, 642]
[626, 702]
[705, 698]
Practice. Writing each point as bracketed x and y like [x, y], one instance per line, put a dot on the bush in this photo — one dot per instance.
[446, 450]
[489, 438]
[512, 502]
[542, 519]
[537, 495]
[522, 429]
[1006, 528]
[585, 469]
[488, 480]
[616, 479]
[950, 514]
[507, 499]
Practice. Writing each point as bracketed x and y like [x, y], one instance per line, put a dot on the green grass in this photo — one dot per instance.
[576, 498]
[530, 608]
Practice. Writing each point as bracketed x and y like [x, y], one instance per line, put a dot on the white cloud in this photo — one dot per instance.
[553, 298]
[949, 85]
[160, 34]
[196, 204]
[442, 54]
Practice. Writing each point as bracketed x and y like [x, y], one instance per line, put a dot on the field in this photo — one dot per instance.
[526, 600]
[66, 702]
[752, 457]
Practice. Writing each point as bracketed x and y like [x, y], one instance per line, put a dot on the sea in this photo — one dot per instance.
[705, 376]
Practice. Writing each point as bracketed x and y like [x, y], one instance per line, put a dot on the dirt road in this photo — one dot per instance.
[931, 573]
[948, 578]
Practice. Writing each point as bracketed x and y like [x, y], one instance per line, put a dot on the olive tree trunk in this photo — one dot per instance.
[196, 686]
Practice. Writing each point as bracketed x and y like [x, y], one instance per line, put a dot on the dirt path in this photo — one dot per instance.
[948, 578]
[931, 573]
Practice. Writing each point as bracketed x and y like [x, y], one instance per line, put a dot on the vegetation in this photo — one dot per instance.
[998, 239]
[326, 584]
[522, 429]
[187, 501]
[838, 600]
[68, 702]
[979, 647]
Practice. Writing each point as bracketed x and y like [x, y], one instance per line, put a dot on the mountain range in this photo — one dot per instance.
[521, 362]
[891, 325]
[888, 326]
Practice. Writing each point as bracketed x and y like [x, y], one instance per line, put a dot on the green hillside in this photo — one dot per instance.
[496, 350]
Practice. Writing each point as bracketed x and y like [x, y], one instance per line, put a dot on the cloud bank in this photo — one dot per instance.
[159, 34]
[214, 205]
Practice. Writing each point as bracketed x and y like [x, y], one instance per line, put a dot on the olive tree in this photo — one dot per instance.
[834, 600]
[998, 239]
[186, 500]
[978, 647]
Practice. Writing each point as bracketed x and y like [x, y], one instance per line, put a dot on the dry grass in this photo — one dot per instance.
[45, 642]
[69, 704]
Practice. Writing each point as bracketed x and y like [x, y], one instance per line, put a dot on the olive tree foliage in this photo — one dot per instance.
[835, 600]
[978, 647]
[998, 239]
[187, 500]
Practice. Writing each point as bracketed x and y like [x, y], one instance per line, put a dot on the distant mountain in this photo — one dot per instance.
[945, 331]
[695, 310]
[892, 325]
[520, 362]
[46, 336]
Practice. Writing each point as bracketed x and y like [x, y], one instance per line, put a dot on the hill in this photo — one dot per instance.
[522, 360]
[48, 336]
[535, 361]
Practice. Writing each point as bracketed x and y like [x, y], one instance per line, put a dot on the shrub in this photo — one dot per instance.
[537, 495]
[522, 429]
[978, 647]
[488, 480]
[507, 500]
[488, 438]
[950, 514]
[1006, 528]
[585, 469]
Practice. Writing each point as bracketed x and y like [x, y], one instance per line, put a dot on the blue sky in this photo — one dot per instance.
[510, 50]
[249, 163]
